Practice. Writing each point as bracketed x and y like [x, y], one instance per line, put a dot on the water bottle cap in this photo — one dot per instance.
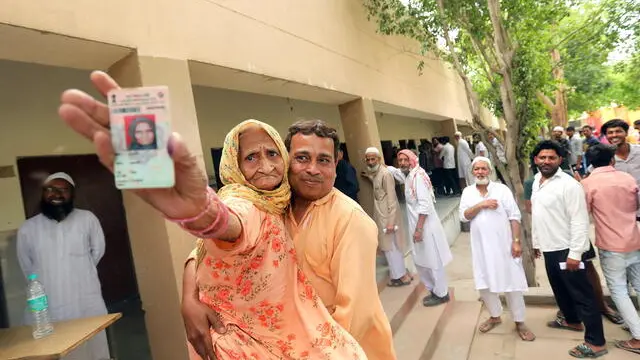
[32, 277]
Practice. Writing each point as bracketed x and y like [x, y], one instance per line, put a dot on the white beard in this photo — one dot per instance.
[373, 169]
[484, 181]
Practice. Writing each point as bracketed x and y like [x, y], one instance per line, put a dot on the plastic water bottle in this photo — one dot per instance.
[39, 308]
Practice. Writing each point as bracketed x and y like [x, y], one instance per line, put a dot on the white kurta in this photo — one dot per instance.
[465, 156]
[493, 266]
[65, 256]
[433, 251]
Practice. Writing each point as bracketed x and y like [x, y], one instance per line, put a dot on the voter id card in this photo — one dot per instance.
[140, 130]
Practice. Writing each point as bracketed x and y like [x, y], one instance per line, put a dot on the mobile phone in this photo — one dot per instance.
[140, 128]
[563, 265]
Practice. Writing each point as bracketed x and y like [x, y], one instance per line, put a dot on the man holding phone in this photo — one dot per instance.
[560, 228]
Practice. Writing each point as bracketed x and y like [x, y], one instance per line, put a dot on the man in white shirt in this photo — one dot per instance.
[465, 155]
[447, 155]
[560, 229]
[480, 148]
[63, 245]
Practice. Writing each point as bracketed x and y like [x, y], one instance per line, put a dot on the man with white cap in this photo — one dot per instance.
[430, 249]
[63, 245]
[388, 217]
[558, 133]
[465, 155]
[495, 246]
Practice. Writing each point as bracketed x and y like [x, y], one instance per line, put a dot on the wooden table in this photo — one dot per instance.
[18, 344]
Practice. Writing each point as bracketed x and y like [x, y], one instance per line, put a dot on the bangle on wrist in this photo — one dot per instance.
[516, 240]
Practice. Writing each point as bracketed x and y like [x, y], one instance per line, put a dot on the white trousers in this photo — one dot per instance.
[515, 302]
[395, 259]
[435, 280]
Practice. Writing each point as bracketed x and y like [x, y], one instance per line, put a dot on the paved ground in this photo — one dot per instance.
[502, 342]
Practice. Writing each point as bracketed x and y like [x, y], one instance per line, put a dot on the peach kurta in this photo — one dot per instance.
[336, 243]
[269, 307]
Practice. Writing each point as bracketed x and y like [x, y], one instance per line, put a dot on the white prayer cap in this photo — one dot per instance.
[457, 133]
[481, 158]
[558, 128]
[372, 150]
[60, 175]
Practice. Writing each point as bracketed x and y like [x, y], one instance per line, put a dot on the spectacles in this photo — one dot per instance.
[56, 190]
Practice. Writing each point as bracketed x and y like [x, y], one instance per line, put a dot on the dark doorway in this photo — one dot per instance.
[387, 152]
[343, 147]
[403, 144]
[216, 155]
[95, 191]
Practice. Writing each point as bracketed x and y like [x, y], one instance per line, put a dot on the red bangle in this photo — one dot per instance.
[183, 221]
[218, 227]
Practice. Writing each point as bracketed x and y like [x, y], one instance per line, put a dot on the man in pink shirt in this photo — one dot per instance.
[612, 200]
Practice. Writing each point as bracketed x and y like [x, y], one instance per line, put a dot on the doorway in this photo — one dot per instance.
[96, 192]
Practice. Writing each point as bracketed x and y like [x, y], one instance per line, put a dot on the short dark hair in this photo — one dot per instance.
[614, 124]
[571, 128]
[600, 155]
[588, 126]
[444, 139]
[549, 145]
[315, 127]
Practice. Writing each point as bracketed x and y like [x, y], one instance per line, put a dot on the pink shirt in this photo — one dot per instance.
[612, 200]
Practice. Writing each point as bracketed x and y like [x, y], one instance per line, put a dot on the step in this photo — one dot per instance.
[453, 339]
[397, 302]
[419, 330]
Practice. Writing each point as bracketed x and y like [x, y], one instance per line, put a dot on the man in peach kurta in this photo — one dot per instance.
[336, 241]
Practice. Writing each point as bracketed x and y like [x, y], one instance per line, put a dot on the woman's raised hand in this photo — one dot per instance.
[90, 118]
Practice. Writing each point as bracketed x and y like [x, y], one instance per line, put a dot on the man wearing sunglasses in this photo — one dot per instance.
[63, 245]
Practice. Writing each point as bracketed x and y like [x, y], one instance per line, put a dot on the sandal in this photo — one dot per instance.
[624, 345]
[398, 283]
[524, 333]
[614, 317]
[489, 325]
[561, 324]
[583, 351]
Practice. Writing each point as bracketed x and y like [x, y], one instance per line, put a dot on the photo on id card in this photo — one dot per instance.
[140, 130]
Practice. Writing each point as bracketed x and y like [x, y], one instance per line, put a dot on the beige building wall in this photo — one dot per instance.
[394, 127]
[328, 44]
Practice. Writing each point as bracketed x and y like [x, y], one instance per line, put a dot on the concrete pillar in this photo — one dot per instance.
[448, 128]
[159, 247]
[360, 127]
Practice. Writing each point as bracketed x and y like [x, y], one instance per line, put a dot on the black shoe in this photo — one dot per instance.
[435, 300]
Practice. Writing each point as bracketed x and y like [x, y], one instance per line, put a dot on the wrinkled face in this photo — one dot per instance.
[371, 160]
[616, 136]
[259, 159]
[457, 137]
[557, 135]
[481, 171]
[144, 134]
[548, 162]
[57, 192]
[403, 162]
[313, 166]
[586, 131]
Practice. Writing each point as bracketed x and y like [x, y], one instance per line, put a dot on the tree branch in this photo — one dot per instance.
[546, 101]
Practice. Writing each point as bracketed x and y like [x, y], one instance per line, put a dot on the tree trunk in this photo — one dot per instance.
[559, 113]
[505, 52]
